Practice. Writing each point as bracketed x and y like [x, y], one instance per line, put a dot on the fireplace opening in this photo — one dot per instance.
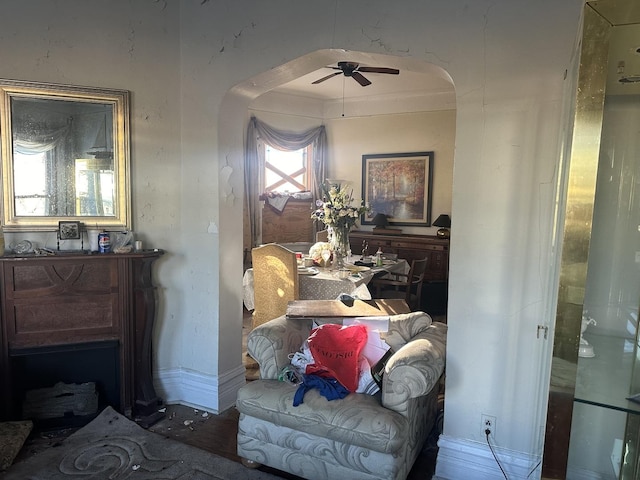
[44, 367]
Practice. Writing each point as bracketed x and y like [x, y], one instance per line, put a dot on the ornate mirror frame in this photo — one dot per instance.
[70, 103]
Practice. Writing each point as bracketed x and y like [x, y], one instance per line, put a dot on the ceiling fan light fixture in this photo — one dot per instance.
[630, 79]
[353, 70]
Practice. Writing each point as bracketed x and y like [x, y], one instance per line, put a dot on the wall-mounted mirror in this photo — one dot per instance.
[65, 156]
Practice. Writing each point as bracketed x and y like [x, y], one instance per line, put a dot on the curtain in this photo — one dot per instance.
[56, 142]
[260, 133]
[38, 142]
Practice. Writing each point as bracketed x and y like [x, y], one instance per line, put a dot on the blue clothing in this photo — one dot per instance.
[329, 388]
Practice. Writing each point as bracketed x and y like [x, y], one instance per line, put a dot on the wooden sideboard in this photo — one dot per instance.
[409, 247]
[80, 302]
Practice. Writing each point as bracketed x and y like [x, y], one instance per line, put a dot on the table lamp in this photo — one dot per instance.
[444, 222]
[381, 223]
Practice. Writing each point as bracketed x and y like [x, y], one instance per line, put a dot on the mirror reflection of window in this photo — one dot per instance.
[94, 187]
[30, 184]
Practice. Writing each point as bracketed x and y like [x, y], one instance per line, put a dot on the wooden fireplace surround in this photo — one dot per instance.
[75, 299]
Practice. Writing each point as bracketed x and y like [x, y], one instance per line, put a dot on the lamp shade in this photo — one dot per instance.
[442, 221]
[380, 220]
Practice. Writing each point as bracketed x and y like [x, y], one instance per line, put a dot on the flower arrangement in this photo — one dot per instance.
[335, 209]
[315, 252]
[337, 213]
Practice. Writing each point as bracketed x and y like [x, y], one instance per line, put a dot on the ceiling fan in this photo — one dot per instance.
[352, 69]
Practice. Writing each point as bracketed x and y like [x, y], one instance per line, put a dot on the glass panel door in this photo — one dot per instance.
[604, 427]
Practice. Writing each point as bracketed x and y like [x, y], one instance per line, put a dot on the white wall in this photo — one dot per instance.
[507, 59]
[119, 45]
[350, 138]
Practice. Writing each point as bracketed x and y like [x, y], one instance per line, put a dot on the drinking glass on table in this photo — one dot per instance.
[326, 255]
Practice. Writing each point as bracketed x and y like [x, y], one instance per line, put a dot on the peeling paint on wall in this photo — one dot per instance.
[225, 175]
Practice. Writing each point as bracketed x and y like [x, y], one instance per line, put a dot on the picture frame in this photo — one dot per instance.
[398, 185]
[69, 230]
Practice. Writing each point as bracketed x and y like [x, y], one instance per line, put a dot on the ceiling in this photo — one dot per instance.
[429, 80]
[618, 12]
[407, 83]
[623, 76]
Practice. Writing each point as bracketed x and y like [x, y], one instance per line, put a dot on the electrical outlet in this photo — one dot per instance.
[488, 423]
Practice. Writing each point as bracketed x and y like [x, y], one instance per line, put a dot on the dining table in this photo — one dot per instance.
[328, 283]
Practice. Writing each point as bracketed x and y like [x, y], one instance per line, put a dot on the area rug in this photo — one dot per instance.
[12, 437]
[115, 448]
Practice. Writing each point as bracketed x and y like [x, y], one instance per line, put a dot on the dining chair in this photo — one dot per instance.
[407, 286]
[322, 236]
[275, 281]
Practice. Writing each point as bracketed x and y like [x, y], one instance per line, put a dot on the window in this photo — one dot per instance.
[95, 185]
[287, 171]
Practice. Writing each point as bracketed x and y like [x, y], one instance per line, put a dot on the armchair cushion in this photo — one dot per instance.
[356, 419]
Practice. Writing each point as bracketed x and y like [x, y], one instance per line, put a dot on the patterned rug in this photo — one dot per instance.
[12, 437]
[113, 447]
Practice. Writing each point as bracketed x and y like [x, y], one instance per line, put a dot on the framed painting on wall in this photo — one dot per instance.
[398, 185]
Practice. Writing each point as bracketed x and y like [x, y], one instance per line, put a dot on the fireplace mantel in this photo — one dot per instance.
[80, 299]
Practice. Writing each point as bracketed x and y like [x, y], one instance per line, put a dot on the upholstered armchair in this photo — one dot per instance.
[357, 437]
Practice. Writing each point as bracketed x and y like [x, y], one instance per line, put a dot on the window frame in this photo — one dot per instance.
[289, 178]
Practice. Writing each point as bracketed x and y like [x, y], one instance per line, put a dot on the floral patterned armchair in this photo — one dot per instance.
[357, 437]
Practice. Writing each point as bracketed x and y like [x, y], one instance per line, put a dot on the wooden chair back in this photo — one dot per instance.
[400, 285]
[322, 236]
[275, 281]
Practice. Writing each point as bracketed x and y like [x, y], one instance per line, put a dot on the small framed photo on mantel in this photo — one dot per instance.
[69, 230]
[398, 185]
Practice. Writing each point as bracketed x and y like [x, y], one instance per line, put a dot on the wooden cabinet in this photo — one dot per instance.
[409, 247]
[80, 302]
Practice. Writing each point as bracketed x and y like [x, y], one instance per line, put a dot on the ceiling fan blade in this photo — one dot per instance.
[391, 71]
[357, 76]
[326, 78]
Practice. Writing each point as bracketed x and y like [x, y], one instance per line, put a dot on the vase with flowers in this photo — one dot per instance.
[336, 211]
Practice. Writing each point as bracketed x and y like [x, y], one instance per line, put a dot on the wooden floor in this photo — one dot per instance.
[216, 433]
[213, 433]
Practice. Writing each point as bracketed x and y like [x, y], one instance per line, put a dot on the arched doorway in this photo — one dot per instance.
[270, 92]
[342, 104]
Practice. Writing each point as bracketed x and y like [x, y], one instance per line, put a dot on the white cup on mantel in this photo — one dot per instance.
[93, 239]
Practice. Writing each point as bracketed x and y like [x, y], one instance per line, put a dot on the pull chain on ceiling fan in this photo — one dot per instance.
[352, 69]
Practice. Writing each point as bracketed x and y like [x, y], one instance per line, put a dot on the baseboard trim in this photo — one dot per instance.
[463, 459]
[198, 390]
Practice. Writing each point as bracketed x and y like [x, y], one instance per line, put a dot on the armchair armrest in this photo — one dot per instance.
[415, 368]
[271, 343]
